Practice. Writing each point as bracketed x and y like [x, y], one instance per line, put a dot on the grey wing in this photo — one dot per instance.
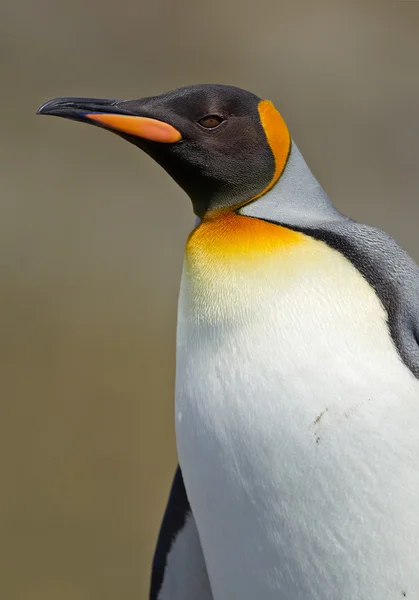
[179, 571]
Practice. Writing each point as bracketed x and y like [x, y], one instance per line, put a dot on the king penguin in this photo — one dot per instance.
[297, 377]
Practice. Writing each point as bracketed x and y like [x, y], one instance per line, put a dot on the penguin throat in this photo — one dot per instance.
[236, 239]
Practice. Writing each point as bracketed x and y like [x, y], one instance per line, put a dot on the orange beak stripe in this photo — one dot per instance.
[143, 127]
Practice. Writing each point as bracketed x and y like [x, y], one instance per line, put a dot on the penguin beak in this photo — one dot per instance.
[111, 115]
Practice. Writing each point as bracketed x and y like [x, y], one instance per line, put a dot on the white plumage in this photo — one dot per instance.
[298, 430]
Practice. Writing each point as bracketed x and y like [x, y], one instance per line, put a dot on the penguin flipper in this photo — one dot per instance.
[179, 571]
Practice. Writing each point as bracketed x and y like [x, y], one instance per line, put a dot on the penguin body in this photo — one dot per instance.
[297, 390]
[284, 477]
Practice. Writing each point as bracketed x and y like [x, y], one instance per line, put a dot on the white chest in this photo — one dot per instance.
[298, 432]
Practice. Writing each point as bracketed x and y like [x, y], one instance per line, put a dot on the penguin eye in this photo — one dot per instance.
[211, 121]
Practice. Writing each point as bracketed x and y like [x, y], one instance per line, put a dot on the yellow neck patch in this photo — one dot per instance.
[233, 238]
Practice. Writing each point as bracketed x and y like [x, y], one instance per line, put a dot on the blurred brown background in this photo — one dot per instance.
[91, 243]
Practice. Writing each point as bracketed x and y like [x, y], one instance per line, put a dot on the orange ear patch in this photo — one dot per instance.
[278, 138]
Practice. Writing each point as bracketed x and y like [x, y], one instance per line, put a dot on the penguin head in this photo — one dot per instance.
[223, 145]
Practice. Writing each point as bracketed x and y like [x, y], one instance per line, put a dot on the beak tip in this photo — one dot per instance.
[45, 108]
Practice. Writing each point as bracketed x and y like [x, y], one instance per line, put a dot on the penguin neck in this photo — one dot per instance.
[229, 241]
[296, 200]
